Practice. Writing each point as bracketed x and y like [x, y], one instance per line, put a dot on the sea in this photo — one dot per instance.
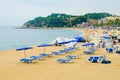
[12, 37]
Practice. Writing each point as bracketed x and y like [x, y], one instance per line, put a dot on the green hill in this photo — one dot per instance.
[62, 20]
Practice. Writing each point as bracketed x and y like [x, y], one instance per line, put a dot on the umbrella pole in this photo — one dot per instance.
[44, 50]
[25, 53]
[64, 46]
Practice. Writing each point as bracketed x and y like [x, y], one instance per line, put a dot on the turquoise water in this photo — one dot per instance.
[11, 38]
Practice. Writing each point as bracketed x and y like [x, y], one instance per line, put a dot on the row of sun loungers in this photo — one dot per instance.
[40, 56]
[109, 50]
[66, 50]
[34, 58]
[68, 58]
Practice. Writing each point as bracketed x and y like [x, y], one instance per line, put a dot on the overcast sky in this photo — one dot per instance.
[16, 12]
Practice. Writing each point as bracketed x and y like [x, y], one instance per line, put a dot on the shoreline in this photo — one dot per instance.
[13, 47]
[83, 30]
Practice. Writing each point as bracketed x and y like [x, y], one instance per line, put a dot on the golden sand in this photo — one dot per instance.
[49, 69]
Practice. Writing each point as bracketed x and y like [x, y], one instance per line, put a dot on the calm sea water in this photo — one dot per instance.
[11, 38]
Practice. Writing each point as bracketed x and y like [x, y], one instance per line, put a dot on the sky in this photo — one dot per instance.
[17, 12]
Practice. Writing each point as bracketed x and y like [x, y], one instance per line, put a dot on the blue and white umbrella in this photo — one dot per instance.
[88, 44]
[44, 45]
[73, 40]
[91, 43]
[80, 39]
[64, 42]
[24, 48]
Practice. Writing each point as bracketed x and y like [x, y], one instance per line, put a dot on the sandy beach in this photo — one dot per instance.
[48, 69]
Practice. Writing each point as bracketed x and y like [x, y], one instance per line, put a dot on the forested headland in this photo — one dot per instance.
[65, 20]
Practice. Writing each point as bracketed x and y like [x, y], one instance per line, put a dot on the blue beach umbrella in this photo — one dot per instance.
[24, 48]
[91, 44]
[85, 44]
[88, 44]
[79, 39]
[64, 42]
[74, 40]
[44, 45]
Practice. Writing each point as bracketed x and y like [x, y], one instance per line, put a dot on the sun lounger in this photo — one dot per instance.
[36, 57]
[45, 55]
[90, 59]
[106, 62]
[64, 60]
[27, 60]
[115, 48]
[88, 52]
[93, 49]
[72, 57]
[69, 49]
[72, 49]
[109, 50]
[96, 59]
[62, 51]
[118, 52]
[66, 50]
[56, 53]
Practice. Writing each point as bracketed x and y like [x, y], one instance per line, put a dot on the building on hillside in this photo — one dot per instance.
[92, 22]
[112, 17]
[102, 21]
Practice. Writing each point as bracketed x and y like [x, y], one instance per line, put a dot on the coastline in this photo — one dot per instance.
[49, 69]
[24, 37]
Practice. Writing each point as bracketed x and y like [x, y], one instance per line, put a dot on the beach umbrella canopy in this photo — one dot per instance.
[44, 45]
[80, 39]
[24, 48]
[85, 44]
[64, 42]
[91, 44]
[88, 44]
[74, 40]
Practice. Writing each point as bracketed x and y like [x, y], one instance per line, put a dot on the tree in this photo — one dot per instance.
[97, 15]
[62, 20]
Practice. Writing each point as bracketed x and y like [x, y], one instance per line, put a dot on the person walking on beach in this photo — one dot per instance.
[103, 45]
[118, 37]
[56, 43]
[99, 44]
